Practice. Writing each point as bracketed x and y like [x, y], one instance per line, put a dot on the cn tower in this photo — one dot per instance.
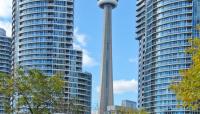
[106, 96]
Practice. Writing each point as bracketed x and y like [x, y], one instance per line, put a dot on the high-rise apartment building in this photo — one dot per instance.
[43, 39]
[5, 52]
[5, 59]
[163, 27]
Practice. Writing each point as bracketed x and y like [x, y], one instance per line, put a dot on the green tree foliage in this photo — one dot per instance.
[188, 89]
[125, 110]
[69, 106]
[35, 91]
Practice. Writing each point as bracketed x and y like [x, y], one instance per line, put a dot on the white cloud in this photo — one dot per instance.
[7, 26]
[80, 38]
[123, 86]
[80, 43]
[5, 15]
[133, 60]
[77, 46]
[88, 61]
[6, 8]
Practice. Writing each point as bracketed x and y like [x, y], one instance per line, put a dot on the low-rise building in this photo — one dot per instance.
[129, 104]
[127, 107]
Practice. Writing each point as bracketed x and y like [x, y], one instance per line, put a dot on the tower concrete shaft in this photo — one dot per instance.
[106, 97]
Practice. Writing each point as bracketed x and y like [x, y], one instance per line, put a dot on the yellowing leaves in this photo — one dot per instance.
[188, 89]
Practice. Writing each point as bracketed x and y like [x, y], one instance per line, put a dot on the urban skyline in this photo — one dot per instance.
[125, 57]
[125, 80]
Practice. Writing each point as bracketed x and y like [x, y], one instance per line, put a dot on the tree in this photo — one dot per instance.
[33, 91]
[188, 89]
[69, 106]
[125, 110]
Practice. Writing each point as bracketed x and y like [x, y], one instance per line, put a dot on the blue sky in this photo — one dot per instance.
[88, 37]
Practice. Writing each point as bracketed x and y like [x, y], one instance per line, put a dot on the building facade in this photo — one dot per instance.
[163, 27]
[5, 59]
[5, 52]
[43, 39]
[129, 104]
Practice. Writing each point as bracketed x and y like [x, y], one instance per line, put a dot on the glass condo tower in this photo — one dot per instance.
[43, 39]
[5, 59]
[5, 52]
[163, 27]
